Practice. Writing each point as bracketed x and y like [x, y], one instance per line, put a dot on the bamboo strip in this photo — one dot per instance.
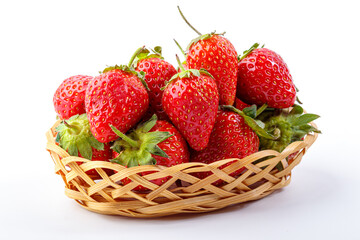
[106, 194]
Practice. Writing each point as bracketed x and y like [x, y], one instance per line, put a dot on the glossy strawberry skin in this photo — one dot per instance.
[191, 104]
[240, 104]
[157, 72]
[218, 56]
[115, 97]
[230, 138]
[175, 147]
[264, 77]
[70, 95]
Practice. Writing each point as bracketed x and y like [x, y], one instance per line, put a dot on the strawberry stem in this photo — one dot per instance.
[73, 129]
[137, 52]
[131, 142]
[180, 64]
[182, 51]
[261, 109]
[182, 15]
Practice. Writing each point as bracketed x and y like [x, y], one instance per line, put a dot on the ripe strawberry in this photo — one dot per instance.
[157, 72]
[218, 56]
[230, 138]
[70, 95]
[163, 146]
[116, 97]
[264, 78]
[75, 137]
[240, 104]
[191, 101]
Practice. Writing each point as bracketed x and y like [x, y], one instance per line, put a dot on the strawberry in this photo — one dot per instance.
[230, 138]
[157, 72]
[191, 101]
[117, 97]
[70, 95]
[286, 126]
[153, 142]
[240, 104]
[75, 137]
[264, 78]
[218, 56]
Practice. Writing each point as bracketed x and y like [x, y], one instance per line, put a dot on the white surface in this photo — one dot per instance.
[43, 43]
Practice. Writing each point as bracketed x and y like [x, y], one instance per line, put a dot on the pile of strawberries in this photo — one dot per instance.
[216, 105]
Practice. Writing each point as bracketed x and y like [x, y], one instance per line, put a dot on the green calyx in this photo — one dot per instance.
[75, 137]
[147, 54]
[249, 115]
[201, 36]
[247, 52]
[186, 73]
[137, 147]
[130, 67]
[287, 127]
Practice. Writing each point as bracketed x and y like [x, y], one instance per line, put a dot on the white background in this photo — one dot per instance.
[44, 42]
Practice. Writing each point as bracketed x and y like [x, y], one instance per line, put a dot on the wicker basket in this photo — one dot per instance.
[103, 194]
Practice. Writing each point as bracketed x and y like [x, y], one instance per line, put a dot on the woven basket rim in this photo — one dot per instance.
[107, 196]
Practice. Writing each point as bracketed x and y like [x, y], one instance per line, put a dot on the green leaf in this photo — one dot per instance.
[158, 151]
[205, 72]
[146, 159]
[132, 162]
[95, 143]
[256, 125]
[261, 109]
[147, 126]
[158, 50]
[304, 119]
[183, 74]
[57, 139]
[247, 52]
[308, 128]
[260, 123]
[85, 149]
[195, 72]
[199, 38]
[130, 141]
[72, 150]
[155, 137]
[297, 109]
[250, 111]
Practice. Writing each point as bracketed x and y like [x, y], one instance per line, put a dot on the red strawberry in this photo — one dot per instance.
[70, 95]
[264, 78]
[157, 72]
[101, 155]
[230, 138]
[116, 97]
[191, 101]
[163, 143]
[218, 56]
[240, 104]
[75, 137]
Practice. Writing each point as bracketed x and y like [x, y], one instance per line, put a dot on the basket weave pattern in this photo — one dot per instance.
[104, 194]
